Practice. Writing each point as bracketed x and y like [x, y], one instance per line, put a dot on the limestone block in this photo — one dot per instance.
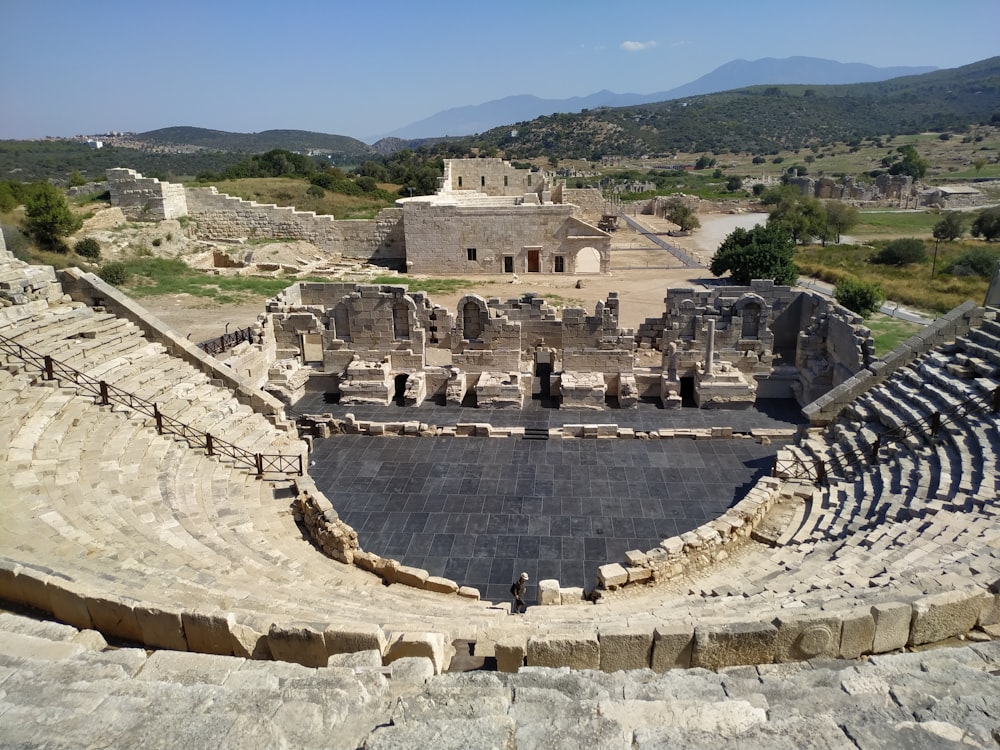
[343, 638]
[247, 642]
[673, 646]
[548, 592]
[510, 654]
[208, 633]
[571, 595]
[733, 644]
[990, 613]
[408, 576]
[33, 588]
[580, 650]
[638, 575]
[636, 558]
[625, 647]
[356, 660]
[161, 629]
[612, 575]
[944, 615]
[69, 607]
[469, 592]
[892, 626]
[857, 632]
[114, 617]
[299, 644]
[440, 585]
[427, 645]
[806, 636]
[412, 670]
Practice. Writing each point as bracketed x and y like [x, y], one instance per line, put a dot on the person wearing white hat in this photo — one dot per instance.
[517, 590]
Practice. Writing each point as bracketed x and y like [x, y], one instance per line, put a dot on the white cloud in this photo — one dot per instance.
[637, 46]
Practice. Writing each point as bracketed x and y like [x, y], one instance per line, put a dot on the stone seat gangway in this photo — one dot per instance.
[108, 394]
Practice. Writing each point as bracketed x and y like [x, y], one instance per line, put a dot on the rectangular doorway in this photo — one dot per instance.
[534, 266]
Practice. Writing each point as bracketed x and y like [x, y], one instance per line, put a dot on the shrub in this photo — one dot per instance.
[157, 242]
[115, 273]
[315, 191]
[88, 247]
[862, 297]
[901, 253]
[976, 262]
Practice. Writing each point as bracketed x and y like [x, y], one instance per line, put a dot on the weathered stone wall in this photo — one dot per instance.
[221, 216]
[590, 201]
[475, 239]
[490, 176]
[958, 322]
[379, 241]
[146, 198]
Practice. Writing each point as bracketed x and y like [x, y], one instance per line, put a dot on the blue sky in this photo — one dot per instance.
[366, 68]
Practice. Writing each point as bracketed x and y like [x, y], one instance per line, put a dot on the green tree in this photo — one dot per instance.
[76, 179]
[840, 217]
[734, 183]
[681, 215]
[987, 224]
[704, 162]
[48, 216]
[979, 164]
[901, 252]
[911, 164]
[949, 228]
[802, 216]
[859, 296]
[88, 247]
[764, 252]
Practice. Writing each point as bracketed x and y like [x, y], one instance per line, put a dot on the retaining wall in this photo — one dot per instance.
[825, 409]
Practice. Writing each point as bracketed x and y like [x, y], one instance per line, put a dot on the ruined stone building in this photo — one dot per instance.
[718, 348]
[487, 217]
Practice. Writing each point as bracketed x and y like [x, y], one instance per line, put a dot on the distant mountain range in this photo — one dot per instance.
[467, 120]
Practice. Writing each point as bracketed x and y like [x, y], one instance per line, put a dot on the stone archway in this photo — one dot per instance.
[588, 260]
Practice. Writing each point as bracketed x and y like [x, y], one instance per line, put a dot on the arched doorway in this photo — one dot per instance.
[588, 260]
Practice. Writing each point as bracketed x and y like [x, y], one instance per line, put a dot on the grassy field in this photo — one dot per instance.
[149, 277]
[889, 332]
[890, 224]
[909, 285]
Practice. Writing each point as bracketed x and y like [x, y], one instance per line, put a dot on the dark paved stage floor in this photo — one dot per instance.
[481, 510]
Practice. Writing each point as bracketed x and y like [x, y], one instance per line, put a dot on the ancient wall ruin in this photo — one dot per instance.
[740, 343]
[494, 177]
[502, 239]
[146, 198]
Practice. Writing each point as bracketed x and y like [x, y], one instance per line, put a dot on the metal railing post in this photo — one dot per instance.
[48, 368]
[104, 394]
[260, 464]
[208, 444]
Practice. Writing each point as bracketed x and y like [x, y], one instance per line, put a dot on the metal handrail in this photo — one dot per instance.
[107, 394]
[226, 341]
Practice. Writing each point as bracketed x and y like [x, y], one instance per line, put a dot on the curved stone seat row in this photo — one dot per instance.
[66, 687]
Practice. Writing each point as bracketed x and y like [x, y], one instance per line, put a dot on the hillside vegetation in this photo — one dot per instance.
[764, 119]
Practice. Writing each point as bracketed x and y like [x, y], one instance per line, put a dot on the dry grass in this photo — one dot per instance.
[285, 191]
